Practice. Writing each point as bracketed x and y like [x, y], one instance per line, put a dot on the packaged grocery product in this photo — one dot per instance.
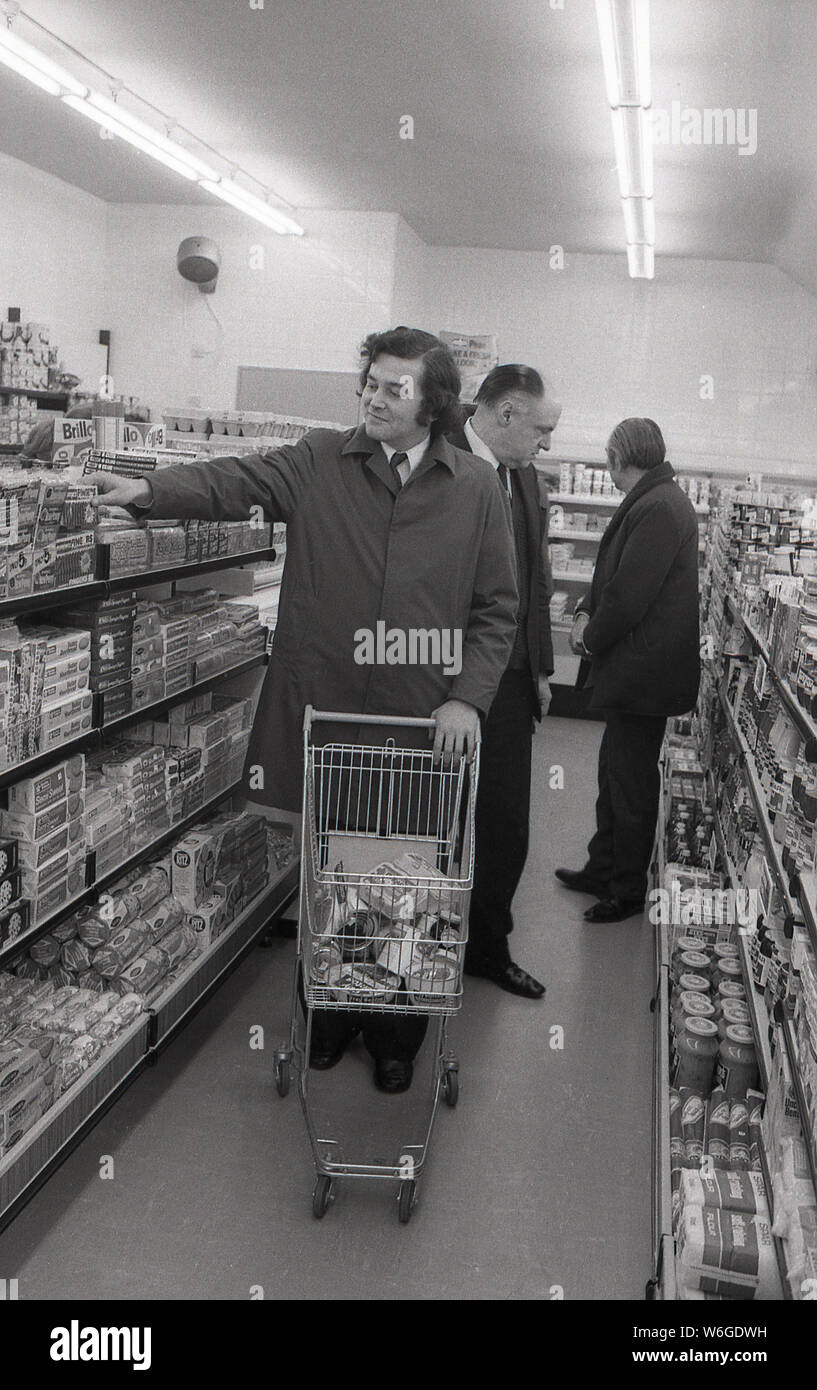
[726, 1253]
[145, 971]
[46, 951]
[76, 1059]
[122, 947]
[162, 917]
[693, 1125]
[729, 1188]
[194, 867]
[178, 943]
[75, 956]
[718, 1136]
[92, 927]
[350, 982]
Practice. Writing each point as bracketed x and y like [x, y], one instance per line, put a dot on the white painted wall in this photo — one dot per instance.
[619, 347]
[52, 262]
[614, 346]
[303, 302]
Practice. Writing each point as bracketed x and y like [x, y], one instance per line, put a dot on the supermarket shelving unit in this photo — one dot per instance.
[45, 1146]
[41, 1151]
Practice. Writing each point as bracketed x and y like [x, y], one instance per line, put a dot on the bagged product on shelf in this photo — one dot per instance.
[46, 951]
[178, 944]
[755, 1101]
[75, 956]
[162, 917]
[122, 947]
[718, 1133]
[693, 1125]
[92, 928]
[726, 1253]
[76, 1058]
[730, 1189]
[144, 972]
[738, 1135]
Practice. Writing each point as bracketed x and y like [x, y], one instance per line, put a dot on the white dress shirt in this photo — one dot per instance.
[415, 454]
[482, 450]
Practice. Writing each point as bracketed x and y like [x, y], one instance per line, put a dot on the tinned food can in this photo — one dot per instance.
[431, 978]
[354, 983]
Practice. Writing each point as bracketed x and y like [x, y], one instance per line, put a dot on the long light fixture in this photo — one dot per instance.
[29, 62]
[107, 122]
[26, 60]
[624, 31]
[238, 197]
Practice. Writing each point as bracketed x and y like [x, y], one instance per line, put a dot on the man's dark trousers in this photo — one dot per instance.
[502, 812]
[627, 807]
[388, 1037]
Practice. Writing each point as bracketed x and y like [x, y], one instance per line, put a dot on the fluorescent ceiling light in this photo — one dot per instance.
[639, 220]
[641, 262]
[30, 63]
[25, 69]
[624, 30]
[123, 131]
[239, 198]
[34, 65]
[632, 136]
[123, 117]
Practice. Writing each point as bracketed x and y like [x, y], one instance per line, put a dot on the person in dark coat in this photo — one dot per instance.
[513, 417]
[387, 524]
[638, 634]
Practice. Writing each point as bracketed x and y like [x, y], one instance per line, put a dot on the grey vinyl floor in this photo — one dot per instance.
[537, 1186]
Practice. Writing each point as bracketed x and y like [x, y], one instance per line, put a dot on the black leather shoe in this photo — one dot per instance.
[508, 976]
[392, 1075]
[324, 1061]
[580, 882]
[613, 910]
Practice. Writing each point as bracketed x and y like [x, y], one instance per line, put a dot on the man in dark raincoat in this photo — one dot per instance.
[389, 529]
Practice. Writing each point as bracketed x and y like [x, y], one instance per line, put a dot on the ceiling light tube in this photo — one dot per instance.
[639, 220]
[37, 63]
[632, 136]
[123, 117]
[117, 128]
[624, 31]
[641, 262]
[239, 198]
[17, 64]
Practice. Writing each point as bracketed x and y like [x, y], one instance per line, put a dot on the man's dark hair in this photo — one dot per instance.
[637, 443]
[439, 381]
[507, 378]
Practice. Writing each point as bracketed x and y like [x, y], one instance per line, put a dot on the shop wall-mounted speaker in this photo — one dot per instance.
[199, 259]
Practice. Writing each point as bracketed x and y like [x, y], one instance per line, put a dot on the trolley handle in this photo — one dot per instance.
[326, 716]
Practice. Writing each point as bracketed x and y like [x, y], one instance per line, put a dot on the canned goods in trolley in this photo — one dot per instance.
[355, 935]
[349, 982]
[432, 977]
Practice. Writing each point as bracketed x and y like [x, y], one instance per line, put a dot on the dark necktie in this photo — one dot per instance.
[502, 470]
[396, 460]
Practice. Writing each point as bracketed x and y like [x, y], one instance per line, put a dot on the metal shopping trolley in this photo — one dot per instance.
[386, 872]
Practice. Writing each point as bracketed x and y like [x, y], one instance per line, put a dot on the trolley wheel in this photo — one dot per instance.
[451, 1087]
[322, 1196]
[282, 1073]
[406, 1199]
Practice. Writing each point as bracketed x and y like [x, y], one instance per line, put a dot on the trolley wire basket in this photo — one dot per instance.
[386, 875]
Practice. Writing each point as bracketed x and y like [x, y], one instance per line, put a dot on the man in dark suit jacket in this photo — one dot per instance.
[514, 416]
[638, 633]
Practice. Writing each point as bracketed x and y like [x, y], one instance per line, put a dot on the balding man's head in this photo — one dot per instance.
[517, 412]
